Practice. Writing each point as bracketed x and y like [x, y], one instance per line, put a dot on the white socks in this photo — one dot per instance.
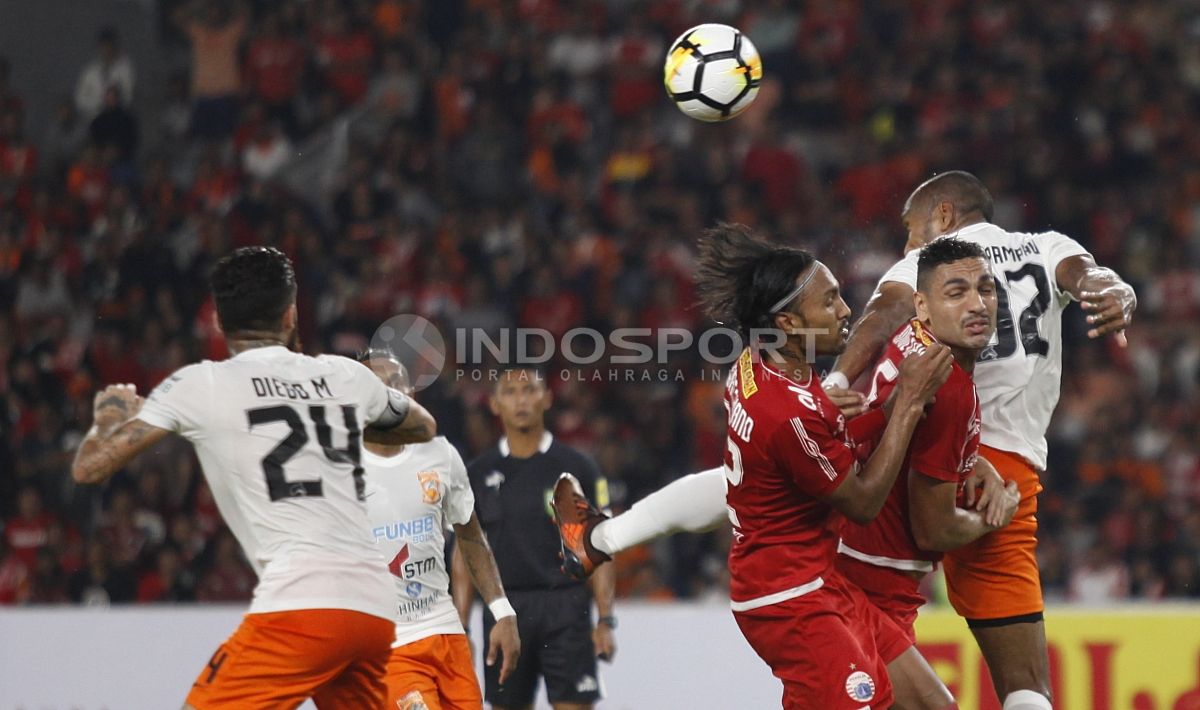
[694, 503]
[1026, 700]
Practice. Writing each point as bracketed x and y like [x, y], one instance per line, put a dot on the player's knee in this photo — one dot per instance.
[1025, 699]
[1023, 684]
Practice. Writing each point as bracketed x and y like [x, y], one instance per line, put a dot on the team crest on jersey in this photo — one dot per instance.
[431, 490]
[860, 686]
[495, 479]
[413, 701]
[413, 590]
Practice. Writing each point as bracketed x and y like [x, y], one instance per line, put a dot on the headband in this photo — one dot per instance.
[796, 291]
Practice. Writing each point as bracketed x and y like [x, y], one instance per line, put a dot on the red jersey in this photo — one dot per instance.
[787, 447]
[944, 446]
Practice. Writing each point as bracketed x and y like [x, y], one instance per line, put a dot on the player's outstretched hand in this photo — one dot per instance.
[114, 404]
[850, 403]
[504, 641]
[922, 375]
[604, 643]
[1109, 311]
[983, 482]
[1002, 508]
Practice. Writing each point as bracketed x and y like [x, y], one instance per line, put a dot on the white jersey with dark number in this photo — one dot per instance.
[411, 499]
[279, 437]
[1018, 373]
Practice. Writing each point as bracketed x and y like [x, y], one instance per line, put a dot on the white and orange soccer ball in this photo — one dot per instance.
[712, 72]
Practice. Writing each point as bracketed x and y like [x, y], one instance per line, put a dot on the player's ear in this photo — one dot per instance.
[943, 216]
[493, 406]
[788, 322]
[290, 317]
[921, 305]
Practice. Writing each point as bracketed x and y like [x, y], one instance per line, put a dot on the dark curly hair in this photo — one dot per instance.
[740, 276]
[253, 287]
[943, 251]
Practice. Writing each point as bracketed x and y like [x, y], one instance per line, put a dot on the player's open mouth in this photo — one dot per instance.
[977, 327]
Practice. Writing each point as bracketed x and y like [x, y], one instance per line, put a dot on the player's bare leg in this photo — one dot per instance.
[1019, 664]
[916, 686]
[572, 706]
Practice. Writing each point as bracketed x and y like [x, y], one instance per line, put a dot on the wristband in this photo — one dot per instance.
[835, 379]
[501, 608]
[609, 620]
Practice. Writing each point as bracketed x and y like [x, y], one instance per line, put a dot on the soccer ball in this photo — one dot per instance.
[712, 72]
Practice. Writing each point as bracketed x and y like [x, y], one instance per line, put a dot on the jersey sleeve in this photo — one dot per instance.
[179, 402]
[904, 271]
[459, 503]
[937, 443]
[817, 459]
[865, 431]
[1056, 247]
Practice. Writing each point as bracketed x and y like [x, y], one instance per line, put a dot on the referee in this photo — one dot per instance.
[513, 485]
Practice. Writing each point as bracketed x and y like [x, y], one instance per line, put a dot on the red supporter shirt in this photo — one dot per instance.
[26, 536]
[787, 448]
[944, 446]
[275, 66]
[346, 60]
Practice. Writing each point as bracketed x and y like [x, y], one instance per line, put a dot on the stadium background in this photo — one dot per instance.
[516, 163]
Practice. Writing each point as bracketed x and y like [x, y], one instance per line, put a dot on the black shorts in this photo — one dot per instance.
[556, 643]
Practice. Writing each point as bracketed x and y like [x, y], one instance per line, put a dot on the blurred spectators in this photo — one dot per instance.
[111, 68]
[489, 165]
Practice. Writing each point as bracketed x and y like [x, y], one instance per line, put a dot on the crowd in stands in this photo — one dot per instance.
[516, 163]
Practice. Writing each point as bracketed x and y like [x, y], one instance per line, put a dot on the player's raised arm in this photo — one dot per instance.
[1107, 298]
[890, 306]
[116, 435]
[403, 421]
[860, 496]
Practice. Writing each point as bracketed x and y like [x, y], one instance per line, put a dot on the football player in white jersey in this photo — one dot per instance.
[414, 492]
[279, 437]
[994, 582]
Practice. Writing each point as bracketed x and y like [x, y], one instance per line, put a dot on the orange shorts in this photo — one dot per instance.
[435, 673]
[335, 656]
[996, 577]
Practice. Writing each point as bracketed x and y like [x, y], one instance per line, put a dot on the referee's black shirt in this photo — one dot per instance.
[513, 501]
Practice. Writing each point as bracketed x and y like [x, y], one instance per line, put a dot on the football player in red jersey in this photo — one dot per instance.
[887, 558]
[793, 474]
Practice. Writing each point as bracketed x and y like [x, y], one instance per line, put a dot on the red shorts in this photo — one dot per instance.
[280, 659]
[892, 591]
[824, 646]
[435, 673]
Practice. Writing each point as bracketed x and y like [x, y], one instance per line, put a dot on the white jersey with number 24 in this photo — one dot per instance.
[1018, 373]
[279, 436]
